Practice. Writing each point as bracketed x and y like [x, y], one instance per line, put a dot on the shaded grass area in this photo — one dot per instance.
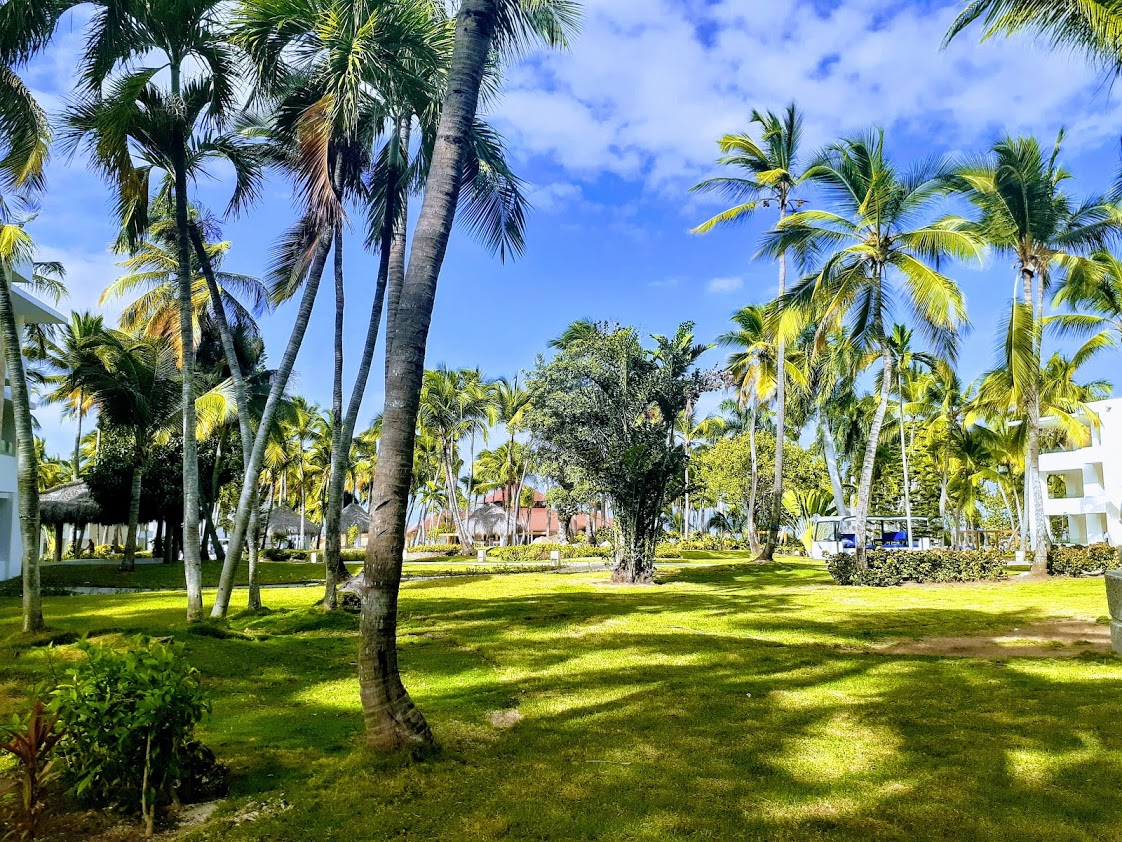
[730, 702]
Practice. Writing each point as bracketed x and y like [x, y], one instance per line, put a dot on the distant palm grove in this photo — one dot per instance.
[839, 396]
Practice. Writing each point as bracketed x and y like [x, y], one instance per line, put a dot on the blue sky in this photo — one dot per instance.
[611, 135]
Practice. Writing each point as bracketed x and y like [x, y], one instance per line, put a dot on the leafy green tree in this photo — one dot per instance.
[604, 410]
[772, 174]
[879, 243]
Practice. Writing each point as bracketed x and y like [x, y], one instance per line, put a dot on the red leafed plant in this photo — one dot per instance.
[31, 742]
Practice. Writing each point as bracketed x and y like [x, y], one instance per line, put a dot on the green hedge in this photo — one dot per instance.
[887, 568]
[448, 550]
[540, 552]
[278, 554]
[669, 550]
[1076, 561]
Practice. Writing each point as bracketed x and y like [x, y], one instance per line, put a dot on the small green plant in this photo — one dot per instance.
[129, 717]
[31, 742]
[436, 549]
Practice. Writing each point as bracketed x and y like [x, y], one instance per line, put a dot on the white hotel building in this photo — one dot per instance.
[1092, 480]
[29, 310]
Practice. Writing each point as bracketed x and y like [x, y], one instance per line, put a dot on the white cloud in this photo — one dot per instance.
[649, 85]
[724, 286]
[665, 283]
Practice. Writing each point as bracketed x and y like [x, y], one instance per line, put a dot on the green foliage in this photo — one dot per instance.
[1074, 561]
[129, 717]
[31, 741]
[894, 568]
[712, 543]
[604, 409]
[449, 550]
[665, 549]
[540, 552]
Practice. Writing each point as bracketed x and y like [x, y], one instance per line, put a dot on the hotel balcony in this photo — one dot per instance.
[1069, 460]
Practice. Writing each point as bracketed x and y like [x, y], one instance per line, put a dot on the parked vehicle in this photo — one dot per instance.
[833, 535]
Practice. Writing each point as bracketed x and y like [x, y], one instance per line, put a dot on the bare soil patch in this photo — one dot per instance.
[1052, 639]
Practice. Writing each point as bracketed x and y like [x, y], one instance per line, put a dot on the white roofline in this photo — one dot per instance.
[31, 309]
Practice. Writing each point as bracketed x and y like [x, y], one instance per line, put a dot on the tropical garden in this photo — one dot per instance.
[570, 601]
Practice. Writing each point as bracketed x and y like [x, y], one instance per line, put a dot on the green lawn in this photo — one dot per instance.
[731, 702]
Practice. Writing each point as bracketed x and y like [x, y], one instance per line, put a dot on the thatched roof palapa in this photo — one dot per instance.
[354, 515]
[70, 502]
[284, 521]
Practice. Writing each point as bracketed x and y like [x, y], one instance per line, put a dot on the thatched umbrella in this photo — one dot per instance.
[70, 503]
[354, 516]
[284, 521]
[490, 521]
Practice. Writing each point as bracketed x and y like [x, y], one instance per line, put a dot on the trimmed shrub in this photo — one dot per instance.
[712, 543]
[668, 550]
[353, 555]
[281, 554]
[447, 550]
[1077, 561]
[887, 568]
[129, 718]
[540, 552]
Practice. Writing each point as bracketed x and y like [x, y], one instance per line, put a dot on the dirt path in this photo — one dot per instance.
[1051, 639]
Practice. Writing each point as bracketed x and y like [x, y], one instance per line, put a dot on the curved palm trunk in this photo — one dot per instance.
[450, 486]
[27, 480]
[280, 381]
[904, 464]
[340, 448]
[391, 718]
[1034, 292]
[780, 414]
[192, 562]
[865, 488]
[241, 401]
[830, 453]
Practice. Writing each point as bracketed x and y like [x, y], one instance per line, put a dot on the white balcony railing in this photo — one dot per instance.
[1070, 460]
[1074, 506]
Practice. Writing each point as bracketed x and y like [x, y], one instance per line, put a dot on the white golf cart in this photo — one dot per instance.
[833, 535]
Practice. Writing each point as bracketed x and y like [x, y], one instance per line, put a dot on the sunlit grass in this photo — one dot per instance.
[743, 701]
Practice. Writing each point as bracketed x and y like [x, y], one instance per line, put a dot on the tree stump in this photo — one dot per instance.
[1114, 605]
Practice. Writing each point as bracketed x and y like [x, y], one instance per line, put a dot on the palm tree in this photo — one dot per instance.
[135, 128]
[771, 174]
[1093, 27]
[62, 354]
[1025, 214]
[133, 382]
[878, 244]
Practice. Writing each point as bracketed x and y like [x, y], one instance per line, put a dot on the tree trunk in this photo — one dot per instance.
[396, 275]
[451, 486]
[129, 561]
[340, 450]
[27, 468]
[780, 413]
[58, 541]
[904, 464]
[865, 488]
[391, 718]
[1034, 286]
[829, 451]
[634, 551]
[272, 403]
[192, 563]
[753, 533]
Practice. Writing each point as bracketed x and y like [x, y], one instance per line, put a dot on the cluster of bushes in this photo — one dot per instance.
[712, 543]
[119, 732]
[665, 549]
[448, 550]
[280, 554]
[1076, 561]
[106, 552]
[540, 552]
[887, 568]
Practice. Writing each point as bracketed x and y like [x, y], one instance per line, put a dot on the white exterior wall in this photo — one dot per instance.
[1093, 479]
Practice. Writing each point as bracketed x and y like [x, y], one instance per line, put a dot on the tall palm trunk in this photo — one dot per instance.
[280, 381]
[865, 488]
[753, 532]
[340, 448]
[450, 485]
[780, 412]
[904, 464]
[1034, 295]
[27, 481]
[829, 451]
[77, 465]
[241, 401]
[192, 562]
[391, 718]
[129, 561]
